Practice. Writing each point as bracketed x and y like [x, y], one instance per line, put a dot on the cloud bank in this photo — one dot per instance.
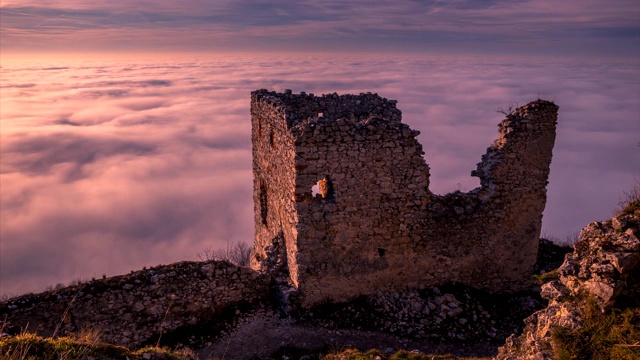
[592, 27]
[107, 167]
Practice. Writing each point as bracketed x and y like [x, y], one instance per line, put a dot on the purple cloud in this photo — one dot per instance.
[110, 166]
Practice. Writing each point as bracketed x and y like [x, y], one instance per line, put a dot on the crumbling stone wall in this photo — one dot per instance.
[131, 309]
[373, 225]
[490, 235]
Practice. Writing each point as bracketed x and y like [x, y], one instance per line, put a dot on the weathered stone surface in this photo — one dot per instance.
[130, 309]
[554, 290]
[373, 225]
[603, 262]
[449, 313]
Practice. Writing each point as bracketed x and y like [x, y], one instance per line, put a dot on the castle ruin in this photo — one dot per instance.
[341, 186]
[371, 226]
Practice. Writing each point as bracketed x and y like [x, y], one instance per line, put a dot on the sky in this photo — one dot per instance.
[125, 130]
[522, 27]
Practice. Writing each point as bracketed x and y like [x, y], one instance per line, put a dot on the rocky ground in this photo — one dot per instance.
[599, 278]
[584, 302]
[450, 319]
[594, 305]
[602, 271]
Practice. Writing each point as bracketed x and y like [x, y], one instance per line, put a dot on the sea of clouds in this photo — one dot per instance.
[109, 166]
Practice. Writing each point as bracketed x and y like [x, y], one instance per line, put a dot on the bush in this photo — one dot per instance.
[238, 253]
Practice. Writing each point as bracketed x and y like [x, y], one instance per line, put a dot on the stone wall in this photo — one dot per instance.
[131, 309]
[489, 236]
[373, 225]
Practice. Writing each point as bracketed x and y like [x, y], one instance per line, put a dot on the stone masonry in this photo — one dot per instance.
[343, 181]
[133, 309]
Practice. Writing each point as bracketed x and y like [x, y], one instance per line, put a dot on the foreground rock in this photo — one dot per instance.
[602, 272]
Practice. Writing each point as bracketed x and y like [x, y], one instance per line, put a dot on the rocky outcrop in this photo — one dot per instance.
[604, 268]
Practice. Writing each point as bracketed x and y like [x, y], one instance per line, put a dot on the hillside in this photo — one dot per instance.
[592, 311]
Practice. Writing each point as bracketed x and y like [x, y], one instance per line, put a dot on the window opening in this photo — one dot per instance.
[323, 187]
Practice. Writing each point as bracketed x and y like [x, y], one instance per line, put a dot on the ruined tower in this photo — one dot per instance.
[342, 188]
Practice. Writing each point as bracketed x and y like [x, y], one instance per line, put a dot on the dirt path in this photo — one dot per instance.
[264, 335]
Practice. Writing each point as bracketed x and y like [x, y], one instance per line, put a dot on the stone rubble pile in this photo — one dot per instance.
[451, 313]
[131, 309]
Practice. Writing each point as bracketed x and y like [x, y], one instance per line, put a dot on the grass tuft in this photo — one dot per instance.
[546, 277]
[29, 346]
[615, 335]
[629, 203]
[353, 354]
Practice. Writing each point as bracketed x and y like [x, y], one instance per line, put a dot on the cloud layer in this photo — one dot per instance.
[593, 27]
[110, 166]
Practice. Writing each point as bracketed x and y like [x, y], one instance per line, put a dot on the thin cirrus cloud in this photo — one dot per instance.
[111, 166]
[524, 27]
